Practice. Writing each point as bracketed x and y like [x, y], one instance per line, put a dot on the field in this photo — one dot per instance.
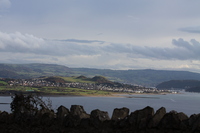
[55, 90]
[76, 80]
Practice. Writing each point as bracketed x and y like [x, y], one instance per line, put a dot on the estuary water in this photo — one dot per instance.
[184, 102]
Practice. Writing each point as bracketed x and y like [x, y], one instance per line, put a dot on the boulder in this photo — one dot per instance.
[46, 118]
[101, 115]
[77, 113]
[78, 110]
[120, 113]
[97, 117]
[62, 112]
[44, 110]
[194, 122]
[140, 118]
[85, 123]
[154, 121]
[4, 117]
[173, 120]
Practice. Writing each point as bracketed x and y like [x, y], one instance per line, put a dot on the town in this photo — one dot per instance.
[116, 87]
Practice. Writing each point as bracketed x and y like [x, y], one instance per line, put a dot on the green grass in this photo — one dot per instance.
[18, 88]
[57, 90]
[3, 83]
[77, 80]
[72, 91]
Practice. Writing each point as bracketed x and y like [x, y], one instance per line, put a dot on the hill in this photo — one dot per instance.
[147, 77]
[18, 71]
[81, 79]
[193, 89]
[178, 84]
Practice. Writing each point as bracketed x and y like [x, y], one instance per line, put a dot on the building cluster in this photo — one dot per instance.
[88, 86]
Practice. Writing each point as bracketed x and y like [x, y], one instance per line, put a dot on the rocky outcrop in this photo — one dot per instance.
[173, 120]
[62, 112]
[119, 114]
[76, 114]
[140, 118]
[154, 121]
[97, 118]
[76, 120]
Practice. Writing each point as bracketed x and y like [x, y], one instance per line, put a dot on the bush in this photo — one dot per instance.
[28, 104]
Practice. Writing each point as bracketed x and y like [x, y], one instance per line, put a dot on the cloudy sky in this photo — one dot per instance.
[108, 34]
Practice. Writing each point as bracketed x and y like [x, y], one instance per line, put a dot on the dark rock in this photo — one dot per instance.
[140, 118]
[45, 116]
[157, 117]
[78, 110]
[183, 120]
[97, 117]
[44, 111]
[119, 114]
[46, 119]
[85, 123]
[101, 115]
[193, 119]
[78, 121]
[173, 120]
[77, 113]
[4, 117]
[194, 122]
[62, 112]
[124, 123]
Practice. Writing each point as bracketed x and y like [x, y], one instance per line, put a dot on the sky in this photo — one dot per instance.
[105, 34]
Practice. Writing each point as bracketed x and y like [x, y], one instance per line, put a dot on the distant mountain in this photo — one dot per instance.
[32, 70]
[147, 77]
[178, 84]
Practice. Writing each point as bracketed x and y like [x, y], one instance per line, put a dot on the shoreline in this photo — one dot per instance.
[125, 95]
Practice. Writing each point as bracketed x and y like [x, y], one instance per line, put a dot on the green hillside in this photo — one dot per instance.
[59, 79]
[33, 70]
[178, 84]
[147, 77]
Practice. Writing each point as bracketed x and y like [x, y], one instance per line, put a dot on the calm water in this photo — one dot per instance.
[186, 102]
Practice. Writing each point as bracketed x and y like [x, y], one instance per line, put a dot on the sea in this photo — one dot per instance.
[185, 102]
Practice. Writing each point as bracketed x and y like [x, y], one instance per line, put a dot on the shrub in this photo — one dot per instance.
[28, 104]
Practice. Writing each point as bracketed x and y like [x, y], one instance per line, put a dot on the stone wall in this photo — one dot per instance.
[76, 120]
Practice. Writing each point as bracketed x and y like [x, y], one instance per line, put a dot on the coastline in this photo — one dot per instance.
[126, 95]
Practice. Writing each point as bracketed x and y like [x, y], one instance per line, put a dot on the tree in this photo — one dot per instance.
[28, 104]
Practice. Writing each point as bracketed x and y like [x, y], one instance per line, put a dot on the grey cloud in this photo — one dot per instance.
[193, 46]
[19, 43]
[29, 44]
[182, 50]
[190, 29]
[83, 41]
[119, 48]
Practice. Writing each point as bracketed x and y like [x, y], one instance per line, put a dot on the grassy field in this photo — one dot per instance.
[73, 91]
[57, 90]
[77, 80]
[3, 83]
